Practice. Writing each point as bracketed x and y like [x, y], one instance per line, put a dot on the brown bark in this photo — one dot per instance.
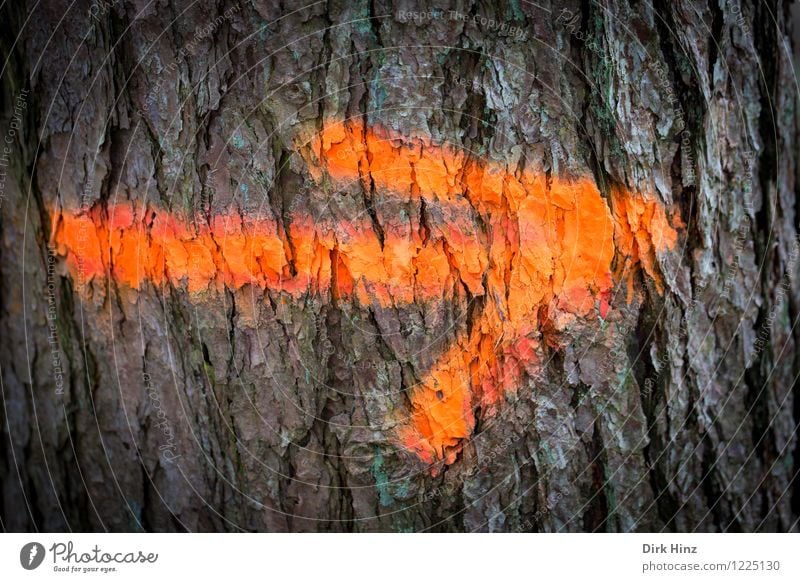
[680, 414]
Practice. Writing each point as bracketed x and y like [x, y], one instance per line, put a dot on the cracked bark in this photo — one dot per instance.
[670, 416]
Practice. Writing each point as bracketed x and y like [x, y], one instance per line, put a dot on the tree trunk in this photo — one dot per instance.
[364, 266]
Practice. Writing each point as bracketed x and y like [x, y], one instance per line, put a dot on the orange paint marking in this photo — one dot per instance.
[539, 253]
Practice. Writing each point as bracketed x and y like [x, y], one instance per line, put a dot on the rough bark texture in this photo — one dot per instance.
[248, 408]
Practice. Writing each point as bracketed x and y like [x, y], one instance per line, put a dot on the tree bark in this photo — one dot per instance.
[161, 408]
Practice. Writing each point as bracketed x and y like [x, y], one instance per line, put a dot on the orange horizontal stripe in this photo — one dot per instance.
[135, 245]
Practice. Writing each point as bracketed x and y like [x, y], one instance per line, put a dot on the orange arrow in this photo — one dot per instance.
[538, 250]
